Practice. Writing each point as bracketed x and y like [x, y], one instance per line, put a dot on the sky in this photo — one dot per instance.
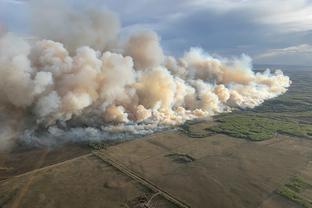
[270, 31]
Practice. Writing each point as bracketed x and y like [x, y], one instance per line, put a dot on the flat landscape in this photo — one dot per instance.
[248, 158]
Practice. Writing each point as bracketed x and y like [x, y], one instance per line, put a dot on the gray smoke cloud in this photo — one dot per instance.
[88, 26]
[144, 48]
[73, 78]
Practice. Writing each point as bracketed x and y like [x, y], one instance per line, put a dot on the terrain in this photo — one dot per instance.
[259, 157]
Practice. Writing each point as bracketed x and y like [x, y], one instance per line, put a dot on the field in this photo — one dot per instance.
[249, 158]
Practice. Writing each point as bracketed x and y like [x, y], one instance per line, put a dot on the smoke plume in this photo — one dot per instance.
[72, 77]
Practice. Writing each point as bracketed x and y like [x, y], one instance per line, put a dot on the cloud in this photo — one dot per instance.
[13, 16]
[304, 48]
[299, 54]
[289, 15]
[14, 1]
[225, 27]
[221, 26]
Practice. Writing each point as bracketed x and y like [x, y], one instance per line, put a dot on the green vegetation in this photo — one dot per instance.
[257, 127]
[103, 144]
[97, 145]
[293, 191]
[298, 184]
[186, 128]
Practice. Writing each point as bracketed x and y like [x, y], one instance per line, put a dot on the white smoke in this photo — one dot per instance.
[136, 90]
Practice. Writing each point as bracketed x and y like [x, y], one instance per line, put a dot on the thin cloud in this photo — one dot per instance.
[288, 15]
[303, 48]
[14, 1]
[293, 55]
[220, 26]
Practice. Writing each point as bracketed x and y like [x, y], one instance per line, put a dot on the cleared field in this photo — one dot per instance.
[82, 182]
[24, 159]
[222, 171]
[214, 171]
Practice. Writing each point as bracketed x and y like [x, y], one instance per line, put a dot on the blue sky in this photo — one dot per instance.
[270, 31]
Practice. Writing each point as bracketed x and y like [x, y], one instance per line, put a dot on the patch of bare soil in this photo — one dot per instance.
[82, 182]
[21, 159]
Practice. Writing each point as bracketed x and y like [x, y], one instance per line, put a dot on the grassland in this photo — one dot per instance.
[258, 127]
[293, 191]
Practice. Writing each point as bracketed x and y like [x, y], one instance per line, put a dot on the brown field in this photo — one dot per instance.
[24, 159]
[224, 171]
[85, 181]
[215, 171]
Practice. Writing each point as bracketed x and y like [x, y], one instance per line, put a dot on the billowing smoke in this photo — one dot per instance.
[74, 79]
[97, 28]
[145, 49]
